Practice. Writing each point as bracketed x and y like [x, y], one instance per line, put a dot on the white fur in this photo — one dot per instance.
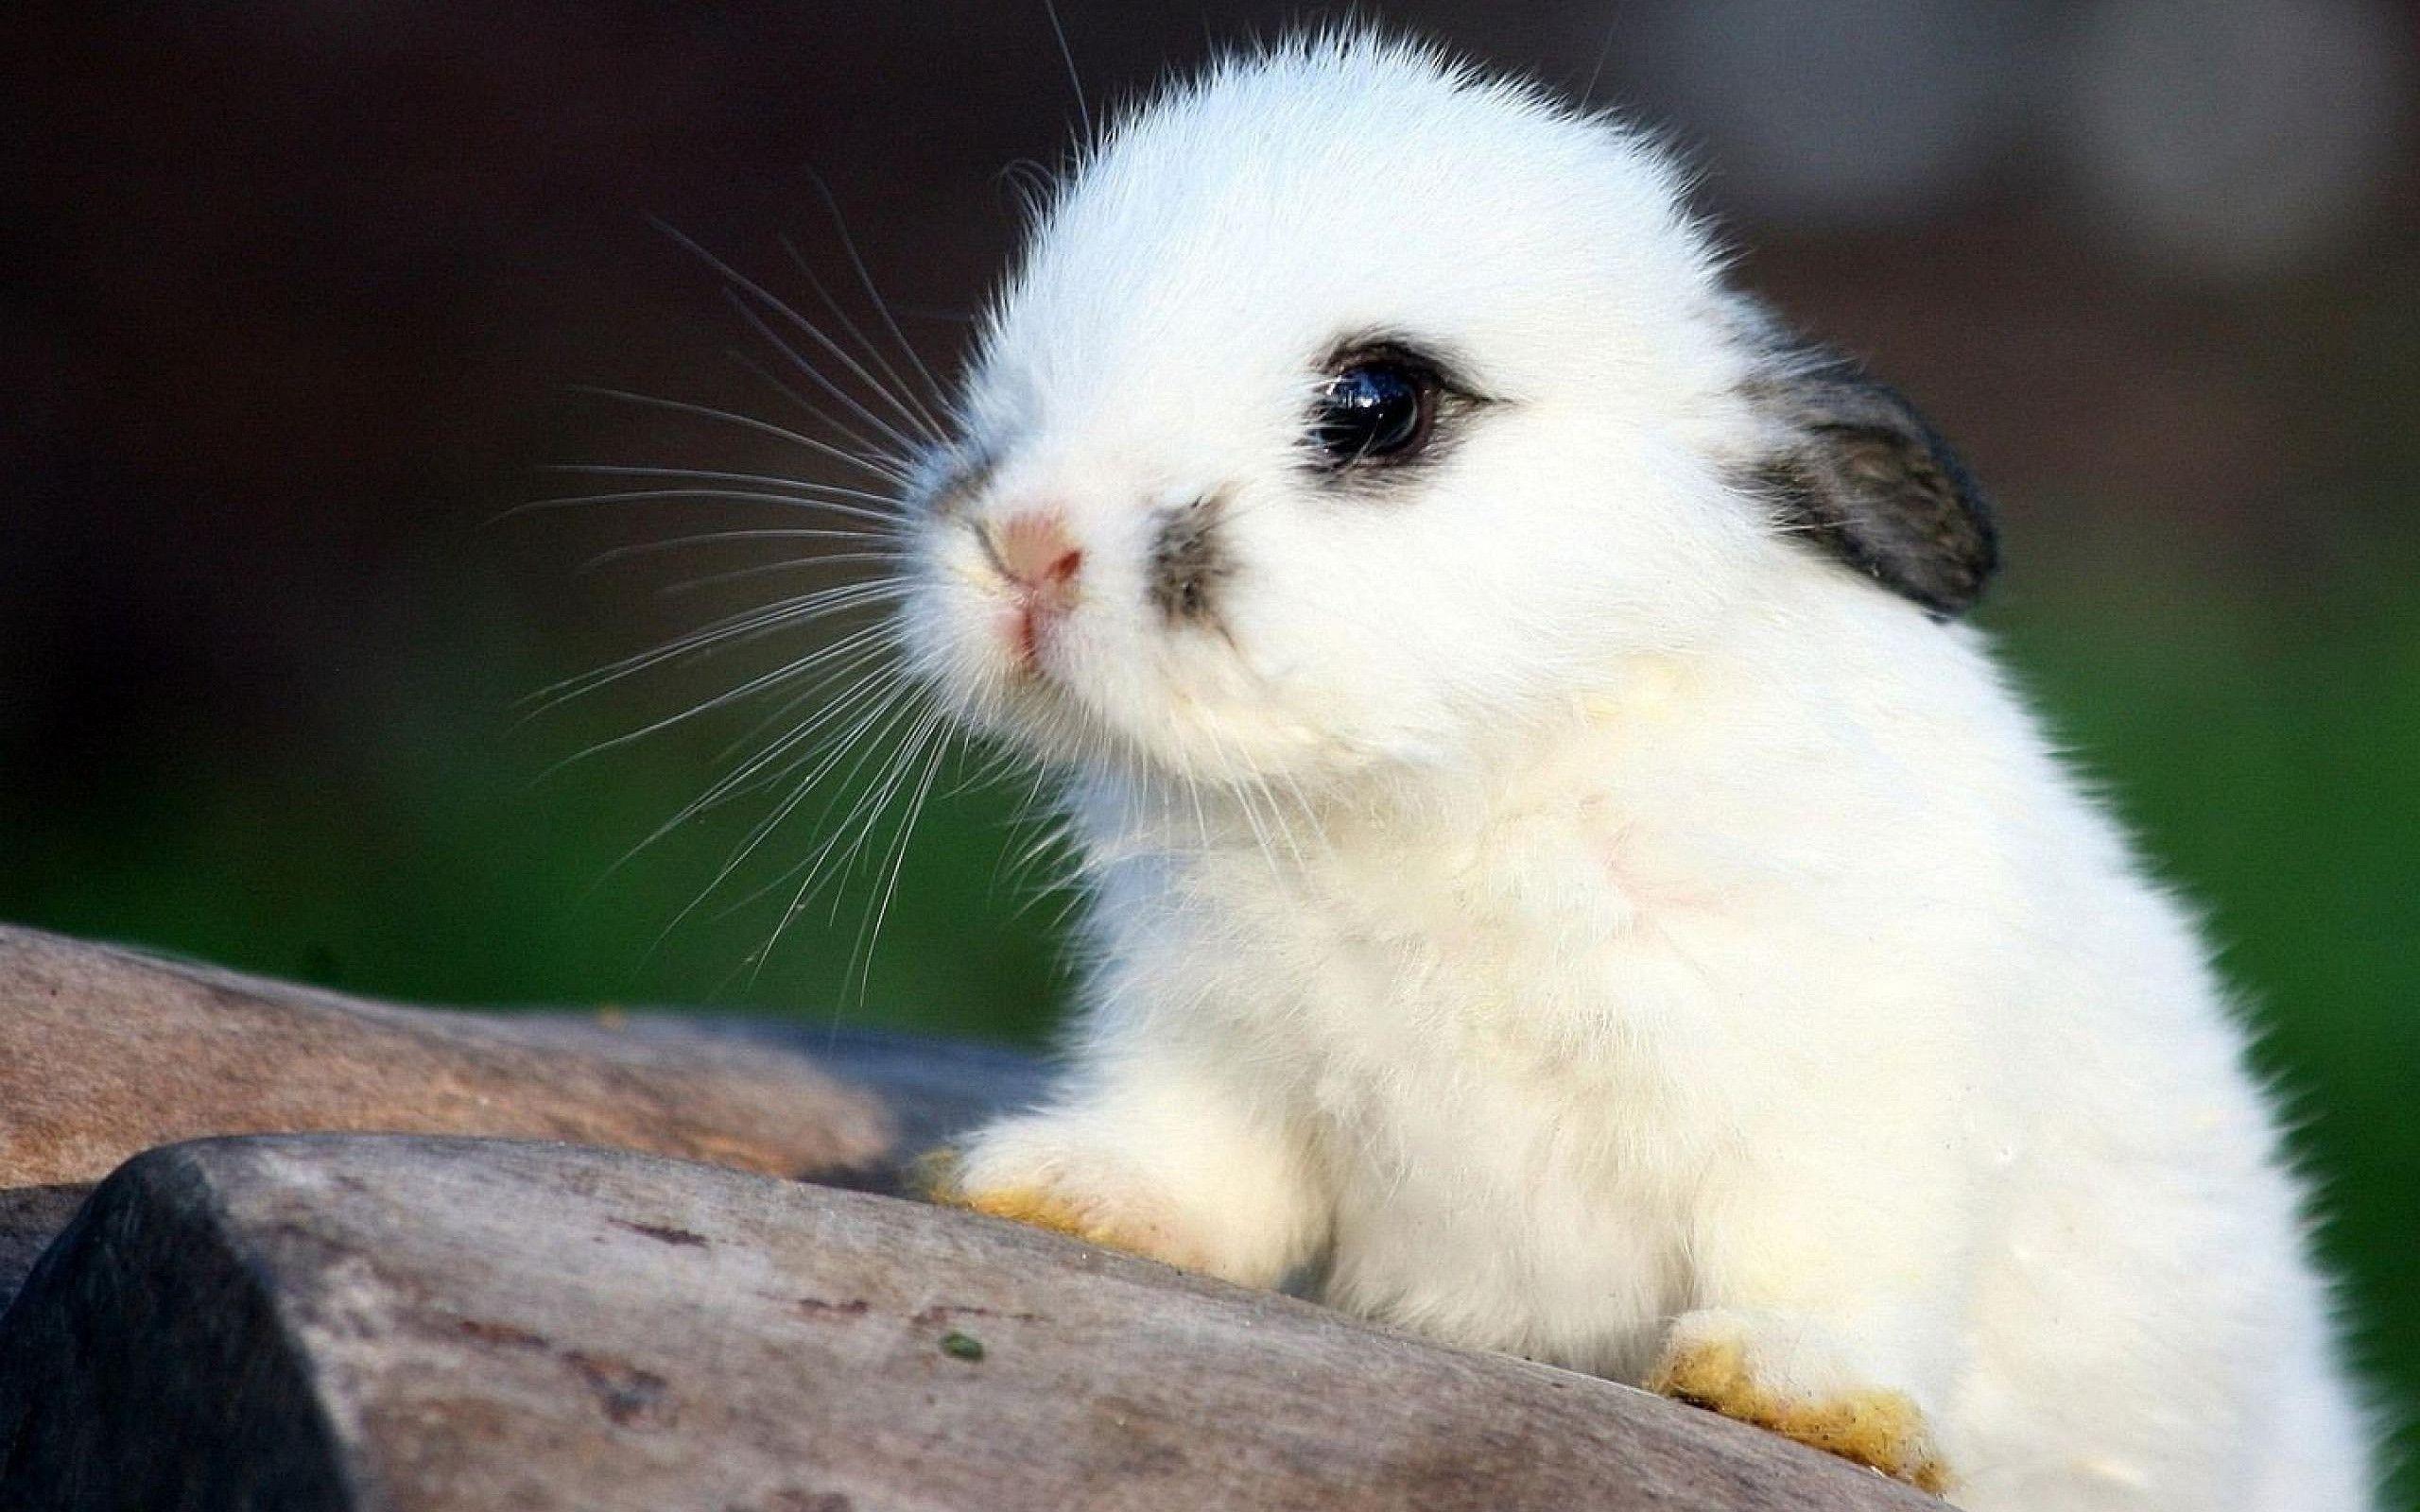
[1561, 912]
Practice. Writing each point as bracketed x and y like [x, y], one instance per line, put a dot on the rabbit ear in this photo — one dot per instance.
[1859, 473]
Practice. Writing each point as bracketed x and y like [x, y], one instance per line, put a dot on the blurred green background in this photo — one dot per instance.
[297, 292]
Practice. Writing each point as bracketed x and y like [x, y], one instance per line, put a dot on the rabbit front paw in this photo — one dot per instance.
[1782, 1377]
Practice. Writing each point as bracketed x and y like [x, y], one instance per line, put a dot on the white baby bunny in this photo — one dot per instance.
[1560, 880]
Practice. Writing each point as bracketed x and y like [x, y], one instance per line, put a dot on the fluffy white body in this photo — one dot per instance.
[1546, 900]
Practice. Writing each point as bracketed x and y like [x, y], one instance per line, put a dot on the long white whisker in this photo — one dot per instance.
[893, 451]
[736, 629]
[887, 472]
[1243, 797]
[880, 793]
[1066, 55]
[894, 388]
[865, 279]
[702, 474]
[786, 501]
[782, 758]
[750, 622]
[1277, 818]
[710, 538]
[1303, 806]
[787, 673]
[889, 715]
[767, 569]
[899, 381]
[734, 782]
[1201, 819]
[783, 309]
[760, 768]
[865, 817]
[790, 706]
[870, 933]
[907, 444]
[883, 706]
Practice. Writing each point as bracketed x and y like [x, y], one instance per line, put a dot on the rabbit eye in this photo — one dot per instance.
[1376, 410]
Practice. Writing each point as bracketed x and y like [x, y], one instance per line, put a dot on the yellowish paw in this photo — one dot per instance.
[1040, 1210]
[936, 1175]
[1881, 1430]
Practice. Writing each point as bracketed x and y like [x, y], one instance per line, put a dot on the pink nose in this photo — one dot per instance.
[1036, 553]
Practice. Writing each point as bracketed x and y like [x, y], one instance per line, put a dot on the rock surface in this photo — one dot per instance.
[106, 1052]
[447, 1325]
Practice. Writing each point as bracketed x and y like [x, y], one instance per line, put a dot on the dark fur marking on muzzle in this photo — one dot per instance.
[1189, 561]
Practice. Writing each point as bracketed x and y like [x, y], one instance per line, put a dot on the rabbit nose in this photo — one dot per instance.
[1033, 550]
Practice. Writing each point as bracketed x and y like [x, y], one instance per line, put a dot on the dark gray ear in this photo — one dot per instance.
[1857, 472]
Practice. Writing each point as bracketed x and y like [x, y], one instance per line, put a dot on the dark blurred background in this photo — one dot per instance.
[297, 297]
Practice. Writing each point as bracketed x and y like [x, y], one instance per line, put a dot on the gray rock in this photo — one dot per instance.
[106, 1052]
[450, 1324]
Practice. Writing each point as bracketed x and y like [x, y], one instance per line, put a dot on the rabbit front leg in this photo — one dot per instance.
[1149, 1153]
[1826, 1309]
